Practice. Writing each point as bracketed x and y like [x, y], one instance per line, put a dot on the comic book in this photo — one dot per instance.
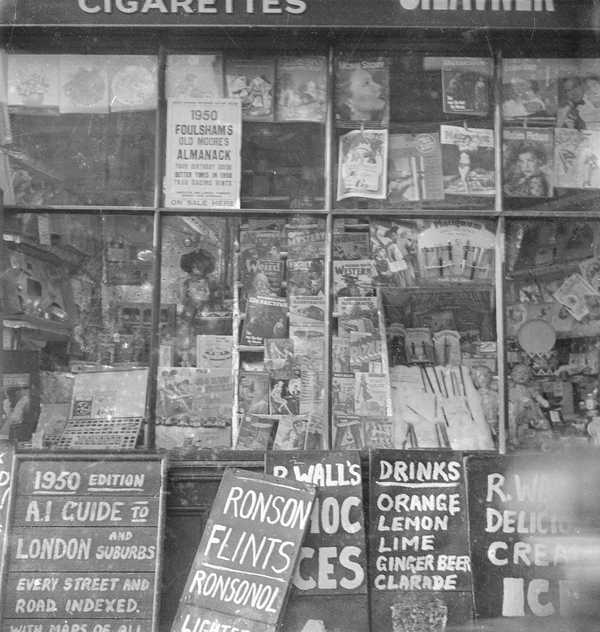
[253, 392]
[301, 89]
[362, 91]
[371, 394]
[357, 314]
[468, 160]
[415, 167]
[307, 311]
[363, 164]
[353, 278]
[279, 361]
[528, 157]
[466, 85]
[529, 88]
[256, 432]
[305, 277]
[394, 252]
[251, 81]
[266, 317]
[577, 158]
[351, 245]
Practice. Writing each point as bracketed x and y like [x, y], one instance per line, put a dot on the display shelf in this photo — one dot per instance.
[57, 255]
[46, 329]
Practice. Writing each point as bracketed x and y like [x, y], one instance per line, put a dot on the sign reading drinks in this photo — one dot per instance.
[533, 527]
[83, 544]
[203, 163]
[330, 583]
[523, 14]
[241, 574]
[418, 538]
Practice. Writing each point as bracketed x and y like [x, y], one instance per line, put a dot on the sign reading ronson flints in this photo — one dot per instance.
[539, 14]
[84, 544]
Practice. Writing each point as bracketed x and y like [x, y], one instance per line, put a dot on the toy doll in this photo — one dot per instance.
[525, 404]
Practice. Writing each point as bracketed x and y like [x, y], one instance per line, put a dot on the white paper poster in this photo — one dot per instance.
[203, 166]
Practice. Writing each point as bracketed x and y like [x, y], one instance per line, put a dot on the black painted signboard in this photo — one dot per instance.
[533, 528]
[240, 577]
[84, 544]
[418, 539]
[330, 583]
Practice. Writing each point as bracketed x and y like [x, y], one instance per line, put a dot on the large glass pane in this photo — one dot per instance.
[414, 355]
[81, 130]
[76, 305]
[553, 327]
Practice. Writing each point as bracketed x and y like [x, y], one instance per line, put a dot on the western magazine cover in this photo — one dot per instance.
[362, 164]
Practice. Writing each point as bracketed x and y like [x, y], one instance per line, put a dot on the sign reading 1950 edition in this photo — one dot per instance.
[83, 544]
[418, 537]
[240, 577]
[330, 583]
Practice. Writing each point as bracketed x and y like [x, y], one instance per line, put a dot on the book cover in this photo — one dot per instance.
[468, 160]
[251, 81]
[256, 432]
[194, 76]
[305, 277]
[83, 84]
[577, 158]
[353, 278]
[307, 311]
[371, 394]
[529, 88]
[357, 314]
[214, 352]
[415, 167]
[362, 91]
[528, 156]
[284, 396]
[266, 317]
[279, 358]
[362, 164]
[253, 392]
[466, 85]
[394, 252]
[351, 245]
[301, 89]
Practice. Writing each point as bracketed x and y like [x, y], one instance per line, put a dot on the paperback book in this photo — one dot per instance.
[415, 167]
[301, 89]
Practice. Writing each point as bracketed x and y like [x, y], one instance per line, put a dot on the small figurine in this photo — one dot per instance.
[488, 392]
[525, 404]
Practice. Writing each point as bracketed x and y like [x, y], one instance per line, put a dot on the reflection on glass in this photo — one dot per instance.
[414, 354]
[76, 302]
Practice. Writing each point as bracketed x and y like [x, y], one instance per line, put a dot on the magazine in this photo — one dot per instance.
[529, 88]
[307, 311]
[305, 243]
[305, 277]
[194, 76]
[468, 160]
[362, 164]
[351, 245]
[251, 81]
[366, 353]
[378, 432]
[347, 432]
[342, 393]
[256, 432]
[292, 432]
[394, 252]
[312, 391]
[214, 352]
[362, 92]
[266, 317]
[577, 158]
[357, 314]
[284, 396]
[301, 89]
[371, 394]
[309, 345]
[279, 359]
[340, 354]
[578, 91]
[528, 162]
[353, 278]
[466, 85]
[253, 392]
[415, 167]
